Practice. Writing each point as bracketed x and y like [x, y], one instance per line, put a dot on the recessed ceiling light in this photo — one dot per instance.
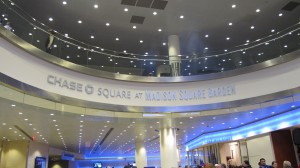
[181, 17]
[247, 41]
[50, 19]
[164, 44]
[280, 14]
[134, 27]
[117, 39]
[257, 10]
[225, 50]
[206, 48]
[141, 41]
[107, 24]
[52, 114]
[227, 38]
[64, 2]
[126, 9]
[25, 119]
[206, 35]
[20, 113]
[293, 106]
[13, 105]
[124, 51]
[252, 27]
[79, 21]
[92, 37]
[233, 6]
[235, 118]
[154, 13]
[96, 6]
[159, 30]
[230, 24]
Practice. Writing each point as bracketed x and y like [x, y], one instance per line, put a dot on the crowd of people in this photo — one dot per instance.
[246, 164]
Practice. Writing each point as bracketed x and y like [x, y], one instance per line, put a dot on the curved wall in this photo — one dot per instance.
[153, 97]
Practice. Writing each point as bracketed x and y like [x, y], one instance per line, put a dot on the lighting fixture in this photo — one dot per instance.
[233, 6]
[92, 37]
[257, 10]
[206, 35]
[159, 30]
[230, 24]
[79, 21]
[126, 9]
[181, 17]
[50, 19]
[280, 14]
[228, 38]
[134, 27]
[96, 6]
[141, 41]
[252, 27]
[154, 13]
[107, 24]
[64, 2]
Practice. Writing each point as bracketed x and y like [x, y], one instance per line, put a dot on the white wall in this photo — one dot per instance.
[36, 150]
[260, 147]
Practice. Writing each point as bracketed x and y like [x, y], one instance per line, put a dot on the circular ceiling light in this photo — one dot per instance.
[117, 39]
[64, 2]
[280, 14]
[107, 24]
[252, 27]
[206, 35]
[96, 6]
[154, 13]
[233, 6]
[50, 19]
[79, 21]
[257, 10]
[228, 38]
[159, 30]
[181, 17]
[126, 9]
[230, 24]
[92, 37]
[141, 41]
[134, 27]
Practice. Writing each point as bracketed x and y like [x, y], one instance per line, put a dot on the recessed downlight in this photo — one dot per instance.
[50, 19]
[233, 6]
[154, 13]
[96, 6]
[64, 2]
[159, 30]
[79, 21]
[107, 24]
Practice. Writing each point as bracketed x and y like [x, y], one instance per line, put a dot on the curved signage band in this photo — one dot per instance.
[117, 95]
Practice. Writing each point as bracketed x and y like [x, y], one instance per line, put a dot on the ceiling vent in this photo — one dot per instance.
[144, 3]
[159, 4]
[290, 6]
[128, 2]
[155, 4]
[137, 19]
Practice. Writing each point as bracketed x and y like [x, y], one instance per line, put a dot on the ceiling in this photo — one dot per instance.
[200, 18]
[207, 28]
[100, 136]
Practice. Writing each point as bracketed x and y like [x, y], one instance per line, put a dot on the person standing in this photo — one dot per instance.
[262, 163]
[49, 41]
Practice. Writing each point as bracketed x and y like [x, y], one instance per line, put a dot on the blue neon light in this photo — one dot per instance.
[273, 123]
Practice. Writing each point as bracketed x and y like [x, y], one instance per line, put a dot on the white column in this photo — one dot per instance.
[174, 52]
[140, 155]
[168, 148]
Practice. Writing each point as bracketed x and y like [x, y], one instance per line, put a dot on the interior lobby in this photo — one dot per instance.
[149, 83]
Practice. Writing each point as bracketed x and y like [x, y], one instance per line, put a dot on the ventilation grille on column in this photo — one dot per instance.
[155, 4]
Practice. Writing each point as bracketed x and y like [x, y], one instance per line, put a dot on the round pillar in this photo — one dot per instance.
[174, 55]
[168, 148]
[140, 155]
